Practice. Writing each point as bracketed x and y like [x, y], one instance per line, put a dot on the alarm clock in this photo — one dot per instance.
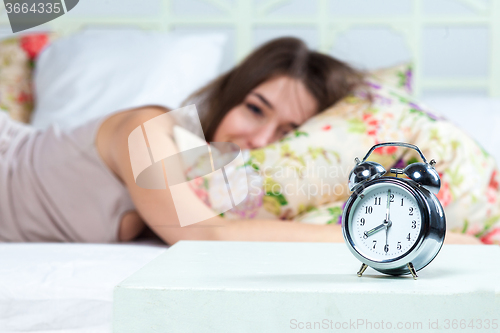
[394, 225]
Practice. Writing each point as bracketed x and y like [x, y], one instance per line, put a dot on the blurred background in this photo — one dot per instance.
[453, 45]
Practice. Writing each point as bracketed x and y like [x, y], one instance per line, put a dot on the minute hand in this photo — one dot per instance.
[388, 210]
[387, 221]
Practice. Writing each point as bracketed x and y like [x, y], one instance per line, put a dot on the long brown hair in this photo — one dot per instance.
[326, 78]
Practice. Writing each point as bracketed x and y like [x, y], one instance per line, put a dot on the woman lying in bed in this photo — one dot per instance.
[78, 186]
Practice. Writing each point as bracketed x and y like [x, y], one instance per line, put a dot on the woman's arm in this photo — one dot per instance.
[458, 238]
[157, 209]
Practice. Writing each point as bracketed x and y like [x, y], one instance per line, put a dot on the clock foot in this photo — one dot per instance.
[362, 269]
[412, 270]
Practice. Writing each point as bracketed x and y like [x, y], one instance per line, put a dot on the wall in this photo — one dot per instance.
[453, 43]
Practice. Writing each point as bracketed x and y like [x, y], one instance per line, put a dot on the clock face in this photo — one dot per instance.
[385, 222]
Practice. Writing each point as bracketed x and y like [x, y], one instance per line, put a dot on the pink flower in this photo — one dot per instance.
[493, 181]
[444, 194]
[249, 207]
[385, 150]
[32, 44]
[491, 194]
[371, 124]
[24, 97]
[493, 237]
[197, 185]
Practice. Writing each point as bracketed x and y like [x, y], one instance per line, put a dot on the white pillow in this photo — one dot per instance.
[94, 73]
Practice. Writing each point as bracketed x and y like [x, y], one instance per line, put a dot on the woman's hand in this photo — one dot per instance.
[459, 238]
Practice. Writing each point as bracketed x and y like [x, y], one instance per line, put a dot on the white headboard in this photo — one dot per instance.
[454, 44]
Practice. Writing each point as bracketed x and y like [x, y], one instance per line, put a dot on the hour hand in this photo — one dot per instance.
[374, 230]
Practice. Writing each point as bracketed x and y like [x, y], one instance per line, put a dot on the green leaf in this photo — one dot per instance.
[356, 126]
[299, 133]
[401, 98]
[412, 160]
[251, 164]
[466, 225]
[335, 212]
[281, 199]
[488, 224]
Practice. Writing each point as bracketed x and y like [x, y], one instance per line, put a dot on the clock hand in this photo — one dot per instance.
[388, 210]
[387, 221]
[386, 234]
[370, 232]
[374, 230]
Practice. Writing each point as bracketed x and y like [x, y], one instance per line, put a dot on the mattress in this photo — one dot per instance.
[65, 287]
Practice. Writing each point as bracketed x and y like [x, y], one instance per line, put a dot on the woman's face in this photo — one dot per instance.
[268, 112]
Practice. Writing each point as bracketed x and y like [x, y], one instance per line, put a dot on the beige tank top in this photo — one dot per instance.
[54, 186]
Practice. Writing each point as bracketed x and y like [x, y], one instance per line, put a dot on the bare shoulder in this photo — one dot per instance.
[112, 137]
[132, 118]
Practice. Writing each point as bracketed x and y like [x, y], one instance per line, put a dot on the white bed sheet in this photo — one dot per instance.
[65, 287]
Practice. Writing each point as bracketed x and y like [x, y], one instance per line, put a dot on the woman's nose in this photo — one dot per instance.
[263, 136]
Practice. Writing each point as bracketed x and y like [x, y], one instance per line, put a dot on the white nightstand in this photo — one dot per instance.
[209, 286]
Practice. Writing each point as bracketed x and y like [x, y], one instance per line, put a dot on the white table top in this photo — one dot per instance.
[310, 266]
[279, 281]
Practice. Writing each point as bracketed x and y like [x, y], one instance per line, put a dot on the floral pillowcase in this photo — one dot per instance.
[303, 177]
[17, 55]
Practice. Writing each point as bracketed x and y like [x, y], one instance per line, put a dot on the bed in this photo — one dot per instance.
[56, 287]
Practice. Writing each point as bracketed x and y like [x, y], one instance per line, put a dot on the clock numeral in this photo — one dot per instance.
[411, 210]
[401, 201]
[392, 198]
[362, 221]
[413, 224]
[408, 237]
[399, 246]
[374, 243]
[386, 248]
[377, 201]
[365, 235]
[369, 210]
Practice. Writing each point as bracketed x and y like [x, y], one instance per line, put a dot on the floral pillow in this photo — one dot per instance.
[17, 55]
[303, 177]
[469, 175]
[399, 77]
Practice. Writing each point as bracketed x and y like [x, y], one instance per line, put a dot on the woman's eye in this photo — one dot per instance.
[255, 109]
